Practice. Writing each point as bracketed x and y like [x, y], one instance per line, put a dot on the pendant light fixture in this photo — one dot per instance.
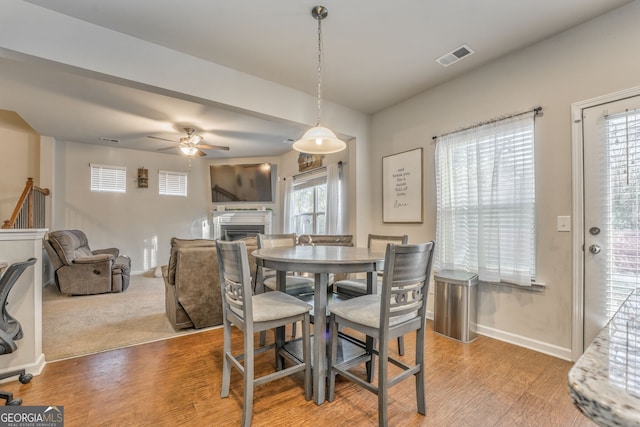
[319, 139]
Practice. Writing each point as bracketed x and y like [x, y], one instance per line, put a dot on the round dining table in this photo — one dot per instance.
[320, 261]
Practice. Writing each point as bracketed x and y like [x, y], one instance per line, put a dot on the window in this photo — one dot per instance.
[485, 181]
[309, 203]
[172, 183]
[314, 202]
[108, 178]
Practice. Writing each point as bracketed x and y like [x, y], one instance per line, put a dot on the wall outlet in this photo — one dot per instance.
[564, 223]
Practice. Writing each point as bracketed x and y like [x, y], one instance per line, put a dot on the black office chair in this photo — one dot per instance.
[10, 329]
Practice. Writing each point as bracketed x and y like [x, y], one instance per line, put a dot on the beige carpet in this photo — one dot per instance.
[78, 325]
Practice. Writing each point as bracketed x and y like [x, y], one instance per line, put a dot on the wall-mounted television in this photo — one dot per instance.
[242, 183]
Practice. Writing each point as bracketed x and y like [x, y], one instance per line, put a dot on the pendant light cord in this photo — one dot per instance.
[319, 68]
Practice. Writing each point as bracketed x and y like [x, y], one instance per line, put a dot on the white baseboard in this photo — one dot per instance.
[531, 344]
[34, 368]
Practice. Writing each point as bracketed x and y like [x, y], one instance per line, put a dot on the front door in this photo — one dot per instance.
[611, 147]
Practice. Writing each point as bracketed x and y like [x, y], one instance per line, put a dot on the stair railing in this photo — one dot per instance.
[30, 210]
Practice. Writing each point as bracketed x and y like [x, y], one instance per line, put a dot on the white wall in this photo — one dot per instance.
[19, 145]
[139, 222]
[590, 60]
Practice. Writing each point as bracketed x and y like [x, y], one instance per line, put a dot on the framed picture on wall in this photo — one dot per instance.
[402, 179]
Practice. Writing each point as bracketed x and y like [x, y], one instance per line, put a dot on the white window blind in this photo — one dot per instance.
[621, 207]
[172, 183]
[108, 178]
[485, 180]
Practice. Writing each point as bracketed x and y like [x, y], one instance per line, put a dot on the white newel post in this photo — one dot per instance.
[25, 299]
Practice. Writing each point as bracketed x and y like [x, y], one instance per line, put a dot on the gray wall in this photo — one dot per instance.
[591, 60]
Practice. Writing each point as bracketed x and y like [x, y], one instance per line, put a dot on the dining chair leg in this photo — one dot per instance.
[420, 377]
[306, 355]
[331, 360]
[247, 404]
[226, 365]
[401, 345]
[383, 385]
[370, 344]
[280, 334]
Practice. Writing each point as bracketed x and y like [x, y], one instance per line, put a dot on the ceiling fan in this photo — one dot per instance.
[190, 145]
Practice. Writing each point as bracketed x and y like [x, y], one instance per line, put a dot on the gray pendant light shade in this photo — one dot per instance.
[319, 139]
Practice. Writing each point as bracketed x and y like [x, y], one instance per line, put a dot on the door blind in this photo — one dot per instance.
[622, 206]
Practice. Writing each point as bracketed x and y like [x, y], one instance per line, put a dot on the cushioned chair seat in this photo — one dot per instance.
[275, 305]
[366, 311]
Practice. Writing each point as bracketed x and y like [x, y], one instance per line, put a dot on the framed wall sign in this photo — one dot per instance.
[402, 187]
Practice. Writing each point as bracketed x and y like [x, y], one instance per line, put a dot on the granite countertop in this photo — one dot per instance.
[605, 381]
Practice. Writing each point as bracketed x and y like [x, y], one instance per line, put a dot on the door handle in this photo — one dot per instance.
[595, 249]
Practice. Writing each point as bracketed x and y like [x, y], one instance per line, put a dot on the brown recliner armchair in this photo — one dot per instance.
[192, 282]
[81, 271]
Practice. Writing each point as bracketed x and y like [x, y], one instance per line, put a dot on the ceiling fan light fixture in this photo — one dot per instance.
[319, 139]
[188, 150]
[195, 139]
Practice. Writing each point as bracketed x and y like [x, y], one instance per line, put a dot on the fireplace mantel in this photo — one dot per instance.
[241, 217]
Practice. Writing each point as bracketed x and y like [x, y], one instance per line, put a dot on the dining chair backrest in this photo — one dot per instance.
[379, 243]
[276, 240]
[235, 279]
[325, 240]
[405, 284]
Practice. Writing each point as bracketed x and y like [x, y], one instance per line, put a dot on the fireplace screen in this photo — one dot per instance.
[238, 231]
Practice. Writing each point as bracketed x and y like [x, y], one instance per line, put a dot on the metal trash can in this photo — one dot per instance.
[455, 313]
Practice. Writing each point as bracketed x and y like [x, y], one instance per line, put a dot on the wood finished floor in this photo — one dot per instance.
[176, 382]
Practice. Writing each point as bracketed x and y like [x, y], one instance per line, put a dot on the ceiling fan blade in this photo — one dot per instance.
[166, 148]
[213, 147]
[201, 153]
[161, 139]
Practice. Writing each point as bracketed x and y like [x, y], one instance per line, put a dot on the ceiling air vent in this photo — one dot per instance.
[454, 56]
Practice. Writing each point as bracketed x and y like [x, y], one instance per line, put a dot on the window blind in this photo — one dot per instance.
[485, 183]
[105, 178]
[172, 183]
[622, 206]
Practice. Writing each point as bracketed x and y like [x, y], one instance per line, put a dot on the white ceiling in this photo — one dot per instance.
[376, 54]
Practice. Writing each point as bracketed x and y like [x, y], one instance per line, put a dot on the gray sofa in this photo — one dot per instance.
[80, 271]
[192, 284]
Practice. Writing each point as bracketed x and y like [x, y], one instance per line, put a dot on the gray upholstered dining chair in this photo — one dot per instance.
[398, 309]
[327, 240]
[357, 287]
[256, 313]
[266, 278]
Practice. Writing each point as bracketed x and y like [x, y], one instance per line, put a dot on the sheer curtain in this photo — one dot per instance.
[288, 211]
[336, 212]
[485, 180]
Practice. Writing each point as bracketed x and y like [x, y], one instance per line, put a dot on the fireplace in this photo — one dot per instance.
[234, 225]
[239, 231]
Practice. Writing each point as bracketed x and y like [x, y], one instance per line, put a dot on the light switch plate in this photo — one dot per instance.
[564, 223]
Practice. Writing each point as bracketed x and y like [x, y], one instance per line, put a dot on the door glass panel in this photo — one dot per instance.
[611, 138]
